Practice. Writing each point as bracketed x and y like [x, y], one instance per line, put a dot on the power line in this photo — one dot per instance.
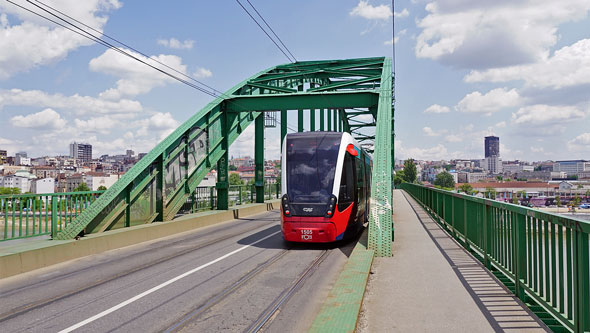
[266, 33]
[98, 40]
[285, 46]
[121, 43]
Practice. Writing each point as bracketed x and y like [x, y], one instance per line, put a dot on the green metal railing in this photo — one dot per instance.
[31, 215]
[545, 257]
[205, 198]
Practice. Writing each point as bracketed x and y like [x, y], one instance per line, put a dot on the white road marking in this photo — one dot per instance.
[160, 286]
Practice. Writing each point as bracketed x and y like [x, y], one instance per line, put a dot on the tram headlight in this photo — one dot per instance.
[285, 205]
[331, 206]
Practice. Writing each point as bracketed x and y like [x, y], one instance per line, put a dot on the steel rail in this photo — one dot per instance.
[266, 317]
[194, 314]
[47, 301]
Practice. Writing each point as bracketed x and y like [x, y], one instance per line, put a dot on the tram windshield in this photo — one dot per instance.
[311, 165]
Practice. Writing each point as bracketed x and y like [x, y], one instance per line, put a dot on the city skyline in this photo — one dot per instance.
[494, 75]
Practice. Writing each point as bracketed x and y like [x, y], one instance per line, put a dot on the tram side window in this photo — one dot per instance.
[360, 181]
[347, 183]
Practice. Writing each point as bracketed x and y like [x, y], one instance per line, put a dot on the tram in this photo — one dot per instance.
[326, 186]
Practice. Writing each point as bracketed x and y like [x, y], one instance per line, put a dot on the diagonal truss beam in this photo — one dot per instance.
[161, 182]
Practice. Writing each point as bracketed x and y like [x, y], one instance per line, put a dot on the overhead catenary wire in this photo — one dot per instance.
[76, 29]
[98, 40]
[122, 43]
[266, 33]
[273, 32]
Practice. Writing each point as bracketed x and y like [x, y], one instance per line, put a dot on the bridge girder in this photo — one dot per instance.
[157, 186]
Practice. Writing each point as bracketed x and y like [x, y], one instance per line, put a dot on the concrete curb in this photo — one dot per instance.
[340, 311]
[38, 254]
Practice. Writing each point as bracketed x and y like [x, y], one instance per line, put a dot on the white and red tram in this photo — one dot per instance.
[326, 185]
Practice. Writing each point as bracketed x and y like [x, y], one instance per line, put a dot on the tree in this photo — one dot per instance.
[234, 179]
[398, 178]
[410, 171]
[102, 188]
[580, 186]
[577, 200]
[466, 188]
[9, 190]
[82, 188]
[558, 200]
[445, 179]
[499, 178]
[588, 193]
[490, 193]
[232, 167]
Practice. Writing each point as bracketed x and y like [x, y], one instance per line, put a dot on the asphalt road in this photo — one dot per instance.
[236, 276]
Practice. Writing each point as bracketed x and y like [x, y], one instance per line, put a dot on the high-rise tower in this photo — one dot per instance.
[492, 146]
[81, 151]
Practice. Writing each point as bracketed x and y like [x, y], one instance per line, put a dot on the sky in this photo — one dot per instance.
[465, 69]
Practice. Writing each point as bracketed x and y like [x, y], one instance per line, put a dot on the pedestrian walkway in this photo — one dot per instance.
[431, 284]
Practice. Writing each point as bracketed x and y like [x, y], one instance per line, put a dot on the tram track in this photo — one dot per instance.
[191, 316]
[270, 311]
[15, 312]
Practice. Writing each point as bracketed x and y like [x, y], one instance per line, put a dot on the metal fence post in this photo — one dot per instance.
[53, 217]
[487, 235]
[581, 282]
[519, 253]
[211, 198]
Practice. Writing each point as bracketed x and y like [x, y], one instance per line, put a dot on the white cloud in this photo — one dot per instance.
[136, 78]
[140, 135]
[435, 108]
[501, 124]
[36, 42]
[174, 43]
[381, 12]
[158, 125]
[369, 12]
[102, 125]
[438, 152]
[397, 37]
[202, 73]
[430, 132]
[581, 143]
[46, 119]
[12, 146]
[547, 115]
[493, 101]
[392, 41]
[488, 34]
[402, 14]
[537, 149]
[76, 103]
[569, 66]
[454, 138]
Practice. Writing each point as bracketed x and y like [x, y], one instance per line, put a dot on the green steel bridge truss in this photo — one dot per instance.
[354, 95]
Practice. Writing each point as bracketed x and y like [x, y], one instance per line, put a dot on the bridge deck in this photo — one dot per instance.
[432, 284]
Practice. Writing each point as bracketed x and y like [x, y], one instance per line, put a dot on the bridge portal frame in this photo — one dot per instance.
[353, 94]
